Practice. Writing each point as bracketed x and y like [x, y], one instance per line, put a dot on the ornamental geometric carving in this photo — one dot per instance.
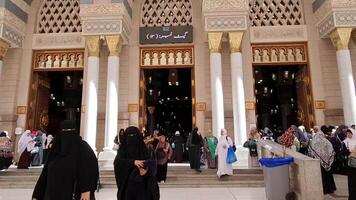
[58, 60]
[225, 5]
[167, 57]
[157, 13]
[337, 19]
[59, 17]
[276, 12]
[225, 23]
[269, 34]
[58, 41]
[280, 53]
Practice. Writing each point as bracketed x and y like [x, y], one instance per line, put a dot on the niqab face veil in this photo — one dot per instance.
[134, 146]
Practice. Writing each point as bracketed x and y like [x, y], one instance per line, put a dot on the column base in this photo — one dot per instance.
[242, 155]
[106, 159]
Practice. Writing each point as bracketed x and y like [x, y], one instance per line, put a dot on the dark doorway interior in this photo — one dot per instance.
[65, 98]
[277, 96]
[169, 100]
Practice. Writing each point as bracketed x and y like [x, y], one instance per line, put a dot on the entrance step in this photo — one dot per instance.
[177, 177]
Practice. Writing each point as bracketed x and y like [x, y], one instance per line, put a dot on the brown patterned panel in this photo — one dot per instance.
[181, 56]
[280, 53]
[58, 60]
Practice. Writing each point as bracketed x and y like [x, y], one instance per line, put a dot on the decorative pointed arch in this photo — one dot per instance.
[59, 16]
[156, 13]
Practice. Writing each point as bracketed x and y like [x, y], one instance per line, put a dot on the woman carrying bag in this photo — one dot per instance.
[350, 143]
[225, 153]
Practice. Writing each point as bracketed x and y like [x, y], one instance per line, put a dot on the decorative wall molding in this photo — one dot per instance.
[94, 10]
[167, 56]
[343, 3]
[58, 60]
[100, 27]
[225, 23]
[13, 36]
[269, 34]
[12, 20]
[280, 53]
[58, 41]
[225, 5]
[337, 19]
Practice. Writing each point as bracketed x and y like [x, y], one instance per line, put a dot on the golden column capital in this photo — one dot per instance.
[4, 46]
[93, 45]
[235, 40]
[340, 38]
[114, 43]
[215, 39]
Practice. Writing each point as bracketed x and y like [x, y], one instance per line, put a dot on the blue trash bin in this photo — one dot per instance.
[276, 175]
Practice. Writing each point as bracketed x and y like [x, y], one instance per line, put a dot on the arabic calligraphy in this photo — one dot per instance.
[159, 35]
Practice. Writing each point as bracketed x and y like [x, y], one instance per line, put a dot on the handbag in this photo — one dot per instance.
[231, 157]
[352, 162]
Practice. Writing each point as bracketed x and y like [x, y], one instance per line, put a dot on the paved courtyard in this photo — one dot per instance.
[166, 194]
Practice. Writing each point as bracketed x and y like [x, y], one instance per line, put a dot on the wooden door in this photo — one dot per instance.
[305, 101]
[143, 106]
[39, 102]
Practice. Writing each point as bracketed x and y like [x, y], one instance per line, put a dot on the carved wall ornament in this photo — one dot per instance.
[114, 43]
[59, 17]
[57, 60]
[274, 34]
[166, 57]
[166, 13]
[340, 38]
[279, 53]
[225, 5]
[225, 23]
[4, 46]
[276, 12]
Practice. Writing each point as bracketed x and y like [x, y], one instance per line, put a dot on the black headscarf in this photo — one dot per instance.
[133, 146]
[3, 134]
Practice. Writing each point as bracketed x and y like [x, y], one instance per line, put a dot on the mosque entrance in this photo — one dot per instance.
[167, 98]
[56, 90]
[283, 97]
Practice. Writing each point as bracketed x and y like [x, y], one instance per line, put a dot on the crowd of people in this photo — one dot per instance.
[335, 147]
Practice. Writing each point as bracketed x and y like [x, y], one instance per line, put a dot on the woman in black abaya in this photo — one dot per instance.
[71, 170]
[135, 174]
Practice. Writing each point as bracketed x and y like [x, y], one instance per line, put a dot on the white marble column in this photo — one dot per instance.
[217, 98]
[91, 86]
[238, 92]
[340, 38]
[4, 46]
[114, 43]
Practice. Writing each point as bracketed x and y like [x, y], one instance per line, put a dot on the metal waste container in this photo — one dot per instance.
[276, 175]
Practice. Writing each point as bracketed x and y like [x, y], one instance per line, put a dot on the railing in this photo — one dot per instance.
[304, 173]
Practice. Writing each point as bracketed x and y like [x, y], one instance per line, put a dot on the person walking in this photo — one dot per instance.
[210, 143]
[194, 144]
[178, 147]
[71, 170]
[163, 154]
[350, 143]
[224, 143]
[320, 148]
[24, 148]
[134, 173]
[6, 153]
[251, 144]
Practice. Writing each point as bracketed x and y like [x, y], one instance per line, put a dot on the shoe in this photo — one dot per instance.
[161, 182]
[198, 170]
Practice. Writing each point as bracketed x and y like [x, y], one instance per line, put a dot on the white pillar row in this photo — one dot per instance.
[114, 43]
[4, 46]
[238, 92]
[217, 98]
[91, 87]
[340, 38]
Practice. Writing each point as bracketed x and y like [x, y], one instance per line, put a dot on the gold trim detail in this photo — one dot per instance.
[250, 105]
[320, 104]
[58, 60]
[294, 53]
[215, 40]
[235, 40]
[4, 46]
[114, 43]
[132, 108]
[340, 38]
[161, 57]
[21, 110]
[201, 106]
[92, 43]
